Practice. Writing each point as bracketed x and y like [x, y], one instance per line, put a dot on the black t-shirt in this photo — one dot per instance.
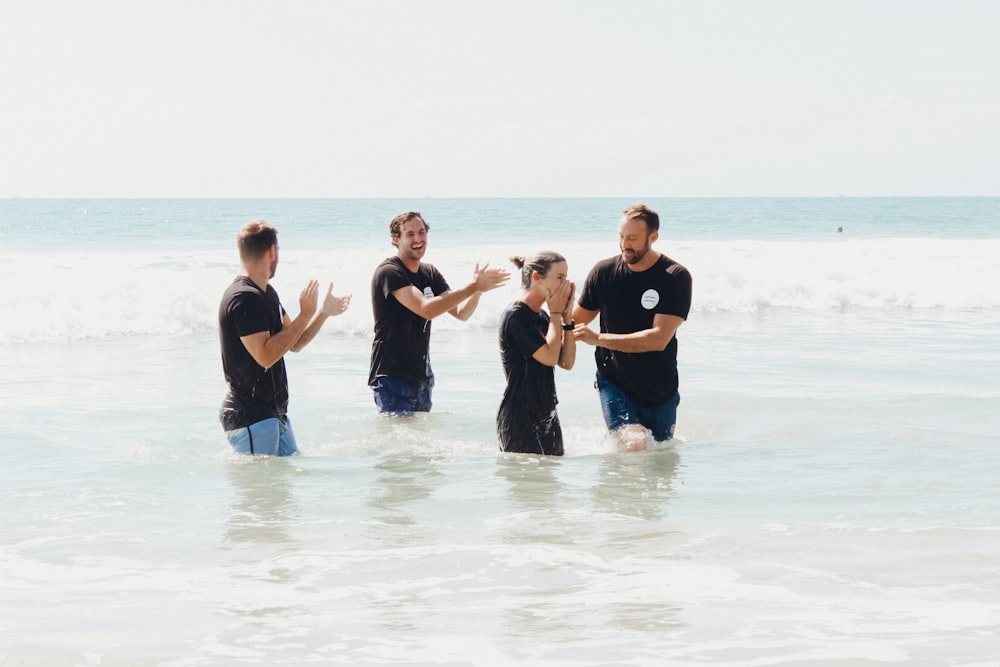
[527, 421]
[401, 348]
[255, 393]
[628, 301]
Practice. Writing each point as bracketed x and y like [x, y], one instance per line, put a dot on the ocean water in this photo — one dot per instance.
[831, 497]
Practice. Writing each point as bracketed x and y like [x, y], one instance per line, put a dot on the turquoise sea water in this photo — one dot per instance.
[830, 499]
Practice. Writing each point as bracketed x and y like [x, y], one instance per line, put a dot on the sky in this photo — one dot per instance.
[466, 98]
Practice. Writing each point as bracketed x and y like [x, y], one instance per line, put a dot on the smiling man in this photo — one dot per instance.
[407, 294]
[643, 297]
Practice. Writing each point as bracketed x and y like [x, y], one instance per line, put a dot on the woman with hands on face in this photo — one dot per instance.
[532, 343]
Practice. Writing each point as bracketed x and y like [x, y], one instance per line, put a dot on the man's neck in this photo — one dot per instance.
[412, 265]
[258, 275]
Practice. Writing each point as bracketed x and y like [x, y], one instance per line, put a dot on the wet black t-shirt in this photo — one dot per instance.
[628, 301]
[401, 348]
[527, 420]
[255, 393]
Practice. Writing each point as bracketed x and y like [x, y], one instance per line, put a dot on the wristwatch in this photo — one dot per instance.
[569, 326]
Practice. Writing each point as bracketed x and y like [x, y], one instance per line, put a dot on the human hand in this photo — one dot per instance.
[334, 305]
[568, 310]
[585, 334]
[559, 299]
[307, 299]
[487, 279]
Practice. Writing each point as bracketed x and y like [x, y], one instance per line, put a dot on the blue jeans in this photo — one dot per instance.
[270, 437]
[620, 410]
[400, 398]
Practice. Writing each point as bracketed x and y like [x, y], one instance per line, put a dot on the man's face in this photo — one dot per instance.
[634, 240]
[274, 262]
[412, 239]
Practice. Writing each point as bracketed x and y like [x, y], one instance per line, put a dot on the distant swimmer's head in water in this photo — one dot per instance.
[256, 240]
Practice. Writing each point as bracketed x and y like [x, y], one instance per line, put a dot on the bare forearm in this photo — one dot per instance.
[551, 353]
[466, 308]
[276, 346]
[648, 340]
[449, 301]
[567, 355]
[310, 332]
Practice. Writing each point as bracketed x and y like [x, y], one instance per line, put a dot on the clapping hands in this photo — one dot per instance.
[487, 279]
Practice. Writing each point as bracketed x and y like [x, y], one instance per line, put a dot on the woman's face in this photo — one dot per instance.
[554, 278]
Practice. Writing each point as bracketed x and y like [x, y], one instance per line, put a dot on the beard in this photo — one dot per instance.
[637, 254]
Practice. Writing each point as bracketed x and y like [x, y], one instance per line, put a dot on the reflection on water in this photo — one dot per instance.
[405, 478]
[263, 501]
[406, 473]
[586, 531]
[639, 484]
[531, 480]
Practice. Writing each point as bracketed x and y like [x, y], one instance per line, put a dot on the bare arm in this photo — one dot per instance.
[485, 279]
[460, 303]
[583, 316]
[266, 349]
[567, 357]
[428, 309]
[332, 306]
[548, 354]
[464, 310]
[653, 339]
[556, 340]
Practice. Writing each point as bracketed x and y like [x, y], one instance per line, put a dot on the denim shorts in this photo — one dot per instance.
[620, 410]
[270, 437]
[400, 398]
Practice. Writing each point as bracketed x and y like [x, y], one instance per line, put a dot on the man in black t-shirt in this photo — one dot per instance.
[255, 332]
[406, 295]
[643, 297]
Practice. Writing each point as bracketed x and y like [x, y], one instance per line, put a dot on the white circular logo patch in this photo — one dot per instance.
[649, 299]
[429, 293]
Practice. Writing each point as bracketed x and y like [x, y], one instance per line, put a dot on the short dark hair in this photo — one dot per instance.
[396, 226]
[255, 239]
[644, 213]
[540, 261]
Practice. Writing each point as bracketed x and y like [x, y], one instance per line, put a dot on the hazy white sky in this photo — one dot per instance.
[327, 98]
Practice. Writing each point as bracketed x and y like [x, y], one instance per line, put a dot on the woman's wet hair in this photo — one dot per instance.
[541, 262]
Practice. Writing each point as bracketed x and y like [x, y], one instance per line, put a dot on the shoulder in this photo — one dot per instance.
[521, 312]
[514, 310]
[244, 298]
[605, 267]
[389, 264]
[609, 264]
[242, 288]
[673, 268]
[392, 270]
[429, 270]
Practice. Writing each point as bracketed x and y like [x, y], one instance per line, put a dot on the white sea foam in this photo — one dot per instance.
[67, 295]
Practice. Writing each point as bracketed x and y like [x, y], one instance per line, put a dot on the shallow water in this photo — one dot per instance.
[830, 497]
[791, 522]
